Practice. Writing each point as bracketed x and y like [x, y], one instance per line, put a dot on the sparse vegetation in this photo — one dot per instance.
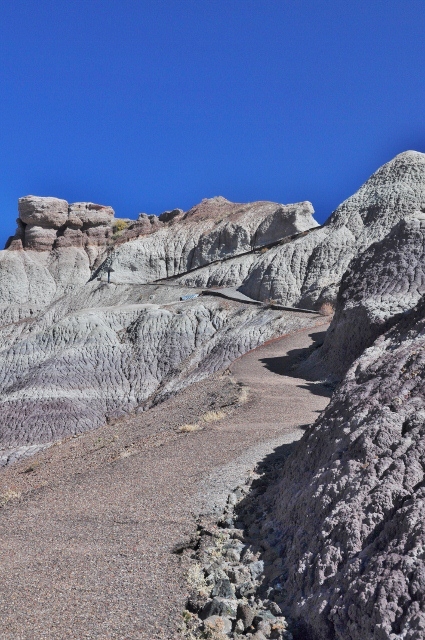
[188, 428]
[196, 580]
[243, 395]
[327, 309]
[8, 496]
[213, 416]
[120, 225]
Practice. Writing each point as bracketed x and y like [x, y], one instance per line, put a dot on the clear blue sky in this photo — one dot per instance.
[148, 105]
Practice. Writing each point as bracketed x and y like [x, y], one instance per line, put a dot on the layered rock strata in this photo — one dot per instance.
[69, 370]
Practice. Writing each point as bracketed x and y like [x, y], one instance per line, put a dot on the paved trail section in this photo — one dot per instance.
[86, 549]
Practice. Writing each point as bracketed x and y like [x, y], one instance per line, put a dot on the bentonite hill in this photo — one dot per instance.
[181, 345]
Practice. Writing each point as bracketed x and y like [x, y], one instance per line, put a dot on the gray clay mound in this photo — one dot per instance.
[308, 271]
[380, 285]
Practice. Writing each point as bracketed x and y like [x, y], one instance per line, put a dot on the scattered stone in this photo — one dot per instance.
[234, 588]
[218, 624]
[226, 607]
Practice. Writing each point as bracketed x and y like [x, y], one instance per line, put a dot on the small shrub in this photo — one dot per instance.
[196, 580]
[243, 395]
[188, 428]
[119, 225]
[8, 496]
[213, 416]
[327, 309]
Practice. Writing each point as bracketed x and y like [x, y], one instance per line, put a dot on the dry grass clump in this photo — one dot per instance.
[189, 428]
[8, 496]
[215, 630]
[213, 416]
[327, 309]
[119, 225]
[196, 580]
[243, 395]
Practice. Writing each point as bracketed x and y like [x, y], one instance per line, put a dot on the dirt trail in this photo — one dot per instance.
[85, 552]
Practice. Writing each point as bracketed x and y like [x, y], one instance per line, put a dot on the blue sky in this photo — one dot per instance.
[150, 105]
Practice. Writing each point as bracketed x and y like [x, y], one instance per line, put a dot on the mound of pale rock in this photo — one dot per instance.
[213, 231]
[379, 286]
[347, 517]
[67, 374]
[307, 271]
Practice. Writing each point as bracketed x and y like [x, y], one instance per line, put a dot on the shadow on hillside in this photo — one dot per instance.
[288, 365]
[252, 513]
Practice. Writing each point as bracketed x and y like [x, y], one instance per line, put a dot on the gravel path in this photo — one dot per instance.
[86, 550]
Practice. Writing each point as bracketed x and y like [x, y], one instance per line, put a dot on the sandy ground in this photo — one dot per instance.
[87, 534]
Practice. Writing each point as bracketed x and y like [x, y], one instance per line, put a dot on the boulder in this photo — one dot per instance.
[168, 216]
[39, 238]
[50, 213]
[90, 214]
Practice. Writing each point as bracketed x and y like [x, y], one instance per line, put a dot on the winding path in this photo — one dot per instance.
[86, 551]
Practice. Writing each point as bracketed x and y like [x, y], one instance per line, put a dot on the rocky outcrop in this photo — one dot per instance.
[213, 231]
[48, 213]
[307, 272]
[379, 286]
[347, 516]
[46, 223]
[67, 371]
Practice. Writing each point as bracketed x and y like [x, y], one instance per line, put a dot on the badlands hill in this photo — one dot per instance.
[345, 515]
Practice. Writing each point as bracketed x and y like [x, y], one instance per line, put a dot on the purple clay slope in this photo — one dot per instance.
[348, 514]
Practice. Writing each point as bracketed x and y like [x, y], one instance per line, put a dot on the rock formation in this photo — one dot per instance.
[70, 341]
[347, 515]
[307, 272]
[379, 286]
[213, 231]
[303, 271]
